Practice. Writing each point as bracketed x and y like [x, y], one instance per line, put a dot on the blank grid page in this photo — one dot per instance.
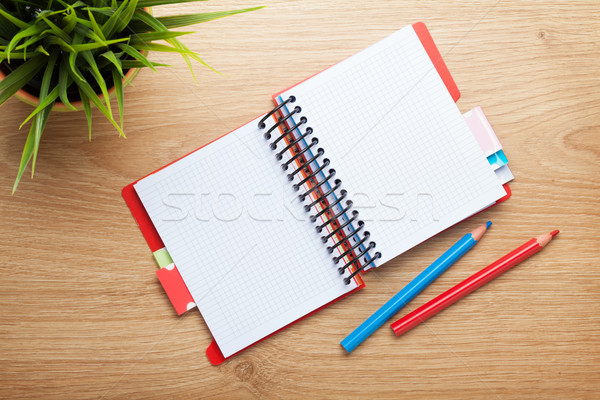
[398, 142]
[244, 247]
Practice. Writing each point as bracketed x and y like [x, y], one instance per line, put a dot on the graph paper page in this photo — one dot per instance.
[244, 246]
[398, 142]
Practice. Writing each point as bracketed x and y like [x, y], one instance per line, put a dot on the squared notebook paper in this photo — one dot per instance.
[358, 163]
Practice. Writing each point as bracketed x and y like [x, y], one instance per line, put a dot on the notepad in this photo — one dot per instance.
[237, 233]
[356, 165]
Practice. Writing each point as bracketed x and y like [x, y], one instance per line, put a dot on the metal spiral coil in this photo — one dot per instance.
[357, 251]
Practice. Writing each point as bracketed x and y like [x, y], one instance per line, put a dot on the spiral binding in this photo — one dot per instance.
[357, 252]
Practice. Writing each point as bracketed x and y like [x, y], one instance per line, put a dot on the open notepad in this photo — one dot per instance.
[238, 235]
[374, 149]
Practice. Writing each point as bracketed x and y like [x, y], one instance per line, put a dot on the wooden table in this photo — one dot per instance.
[83, 316]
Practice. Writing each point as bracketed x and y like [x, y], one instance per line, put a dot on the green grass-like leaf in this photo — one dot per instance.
[87, 55]
[6, 28]
[154, 3]
[14, 20]
[25, 156]
[110, 56]
[89, 92]
[139, 64]
[119, 92]
[71, 20]
[20, 76]
[28, 32]
[46, 103]
[96, 27]
[126, 16]
[143, 17]
[152, 36]
[21, 55]
[178, 21]
[137, 55]
[64, 80]
[161, 47]
[46, 99]
[88, 111]
[92, 46]
[110, 27]
[57, 31]
[32, 39]
[41, 49]
[60, 42]
[82, 22]
[38, 124]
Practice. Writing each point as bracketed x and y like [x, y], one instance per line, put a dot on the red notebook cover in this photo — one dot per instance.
[170, 278]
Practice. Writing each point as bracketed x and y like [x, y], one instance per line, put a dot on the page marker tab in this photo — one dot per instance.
[482, 130]
[162, 257]
[172, 283]
[504, 174]
[176, 290]
[497, 160]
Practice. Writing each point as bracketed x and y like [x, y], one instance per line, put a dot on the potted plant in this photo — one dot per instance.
[76, 54]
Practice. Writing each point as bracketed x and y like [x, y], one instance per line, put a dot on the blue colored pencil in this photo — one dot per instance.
[414, 287]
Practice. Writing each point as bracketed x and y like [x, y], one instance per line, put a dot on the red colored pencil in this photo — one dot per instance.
[471, 284]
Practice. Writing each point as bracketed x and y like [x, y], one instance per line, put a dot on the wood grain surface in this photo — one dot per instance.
[83, 316]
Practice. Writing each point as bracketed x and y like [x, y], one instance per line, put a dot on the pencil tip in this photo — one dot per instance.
[478, 232]
[554, 233]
